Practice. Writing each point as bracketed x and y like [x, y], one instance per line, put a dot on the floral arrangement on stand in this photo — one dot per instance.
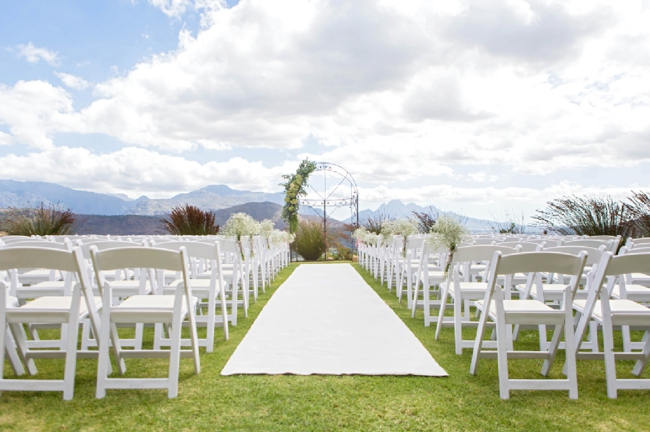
[241, 224]
[447, 233]
[403, 227]
[362, 235]
[294, 187]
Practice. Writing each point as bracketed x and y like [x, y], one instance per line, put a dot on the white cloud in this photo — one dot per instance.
[72, 81]
[5, 139]
[406, 96]
[35, 110]
[136, 171]
[35, 54]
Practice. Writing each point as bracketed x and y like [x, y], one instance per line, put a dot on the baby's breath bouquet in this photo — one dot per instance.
[447, 233]
[360, 234]
[403, 227]
[241, 224]
[266, 228]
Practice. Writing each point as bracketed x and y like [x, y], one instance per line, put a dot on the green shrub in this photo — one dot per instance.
[190, 220]
[40, 221]
[310, 241]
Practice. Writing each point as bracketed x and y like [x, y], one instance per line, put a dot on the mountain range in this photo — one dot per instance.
[219, 198]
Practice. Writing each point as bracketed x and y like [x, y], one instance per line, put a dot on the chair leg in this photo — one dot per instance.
[70, 356]
[610, 362]
[641, 363]
[502, 358]
[174, 358]
[458, 323]
[224, 314]
[478, 342]
[12, 353]
[209, 347]
[20, 338]
[551, 348]
[441, 312]
[570, 349]
[103, 357]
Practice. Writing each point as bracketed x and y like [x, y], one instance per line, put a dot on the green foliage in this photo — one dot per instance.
[585, 216]
[294, 187]
[310, 241]
[190, 220]
[40, 221]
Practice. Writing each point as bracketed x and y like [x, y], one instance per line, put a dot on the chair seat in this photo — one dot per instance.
[125, 288]
[523, 311]
[471, 289]
[633, 292]
[200, 287]
[148, 308]
[47, 309]
[624, 311]
[550, 291]
[640, 278]
[40, 289]
[35, 276]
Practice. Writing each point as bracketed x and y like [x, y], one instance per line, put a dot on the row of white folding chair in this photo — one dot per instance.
[597, 307]
[64, 311]
[70, 310]
[611, 313]
[505, 312]
[430, 276]
[463, 291]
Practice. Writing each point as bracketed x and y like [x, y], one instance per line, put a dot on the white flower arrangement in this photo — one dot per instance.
[278, 237]
[266, 228]
[447, 233]
[241, 224]
[403, 227]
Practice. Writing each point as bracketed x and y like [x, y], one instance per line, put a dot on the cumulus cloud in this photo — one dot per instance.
[132, 169]
[72, 81]
[34, 54]
[35, 110]
[403, 95]
[531, 30]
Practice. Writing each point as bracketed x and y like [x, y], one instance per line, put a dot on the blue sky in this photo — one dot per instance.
[488, 108]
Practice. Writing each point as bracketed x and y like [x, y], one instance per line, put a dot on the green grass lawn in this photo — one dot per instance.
[279, 403]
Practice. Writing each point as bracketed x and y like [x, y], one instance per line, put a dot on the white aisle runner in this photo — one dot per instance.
[325, 319]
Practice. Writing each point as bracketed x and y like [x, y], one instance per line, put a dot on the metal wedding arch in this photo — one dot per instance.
[330, 188]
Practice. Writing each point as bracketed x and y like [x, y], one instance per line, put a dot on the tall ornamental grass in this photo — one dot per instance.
[190, 220]
[310, 240]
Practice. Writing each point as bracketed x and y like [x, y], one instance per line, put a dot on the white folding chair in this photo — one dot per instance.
[65, 311]
[158, 309]
[610, 313]
[463, 291]
[507, 312]
[209, 290]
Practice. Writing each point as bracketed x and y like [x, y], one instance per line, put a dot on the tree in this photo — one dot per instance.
[190, 220]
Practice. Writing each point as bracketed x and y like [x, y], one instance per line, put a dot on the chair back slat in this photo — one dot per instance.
[536, 262]
[137, 257]
[29, 257]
